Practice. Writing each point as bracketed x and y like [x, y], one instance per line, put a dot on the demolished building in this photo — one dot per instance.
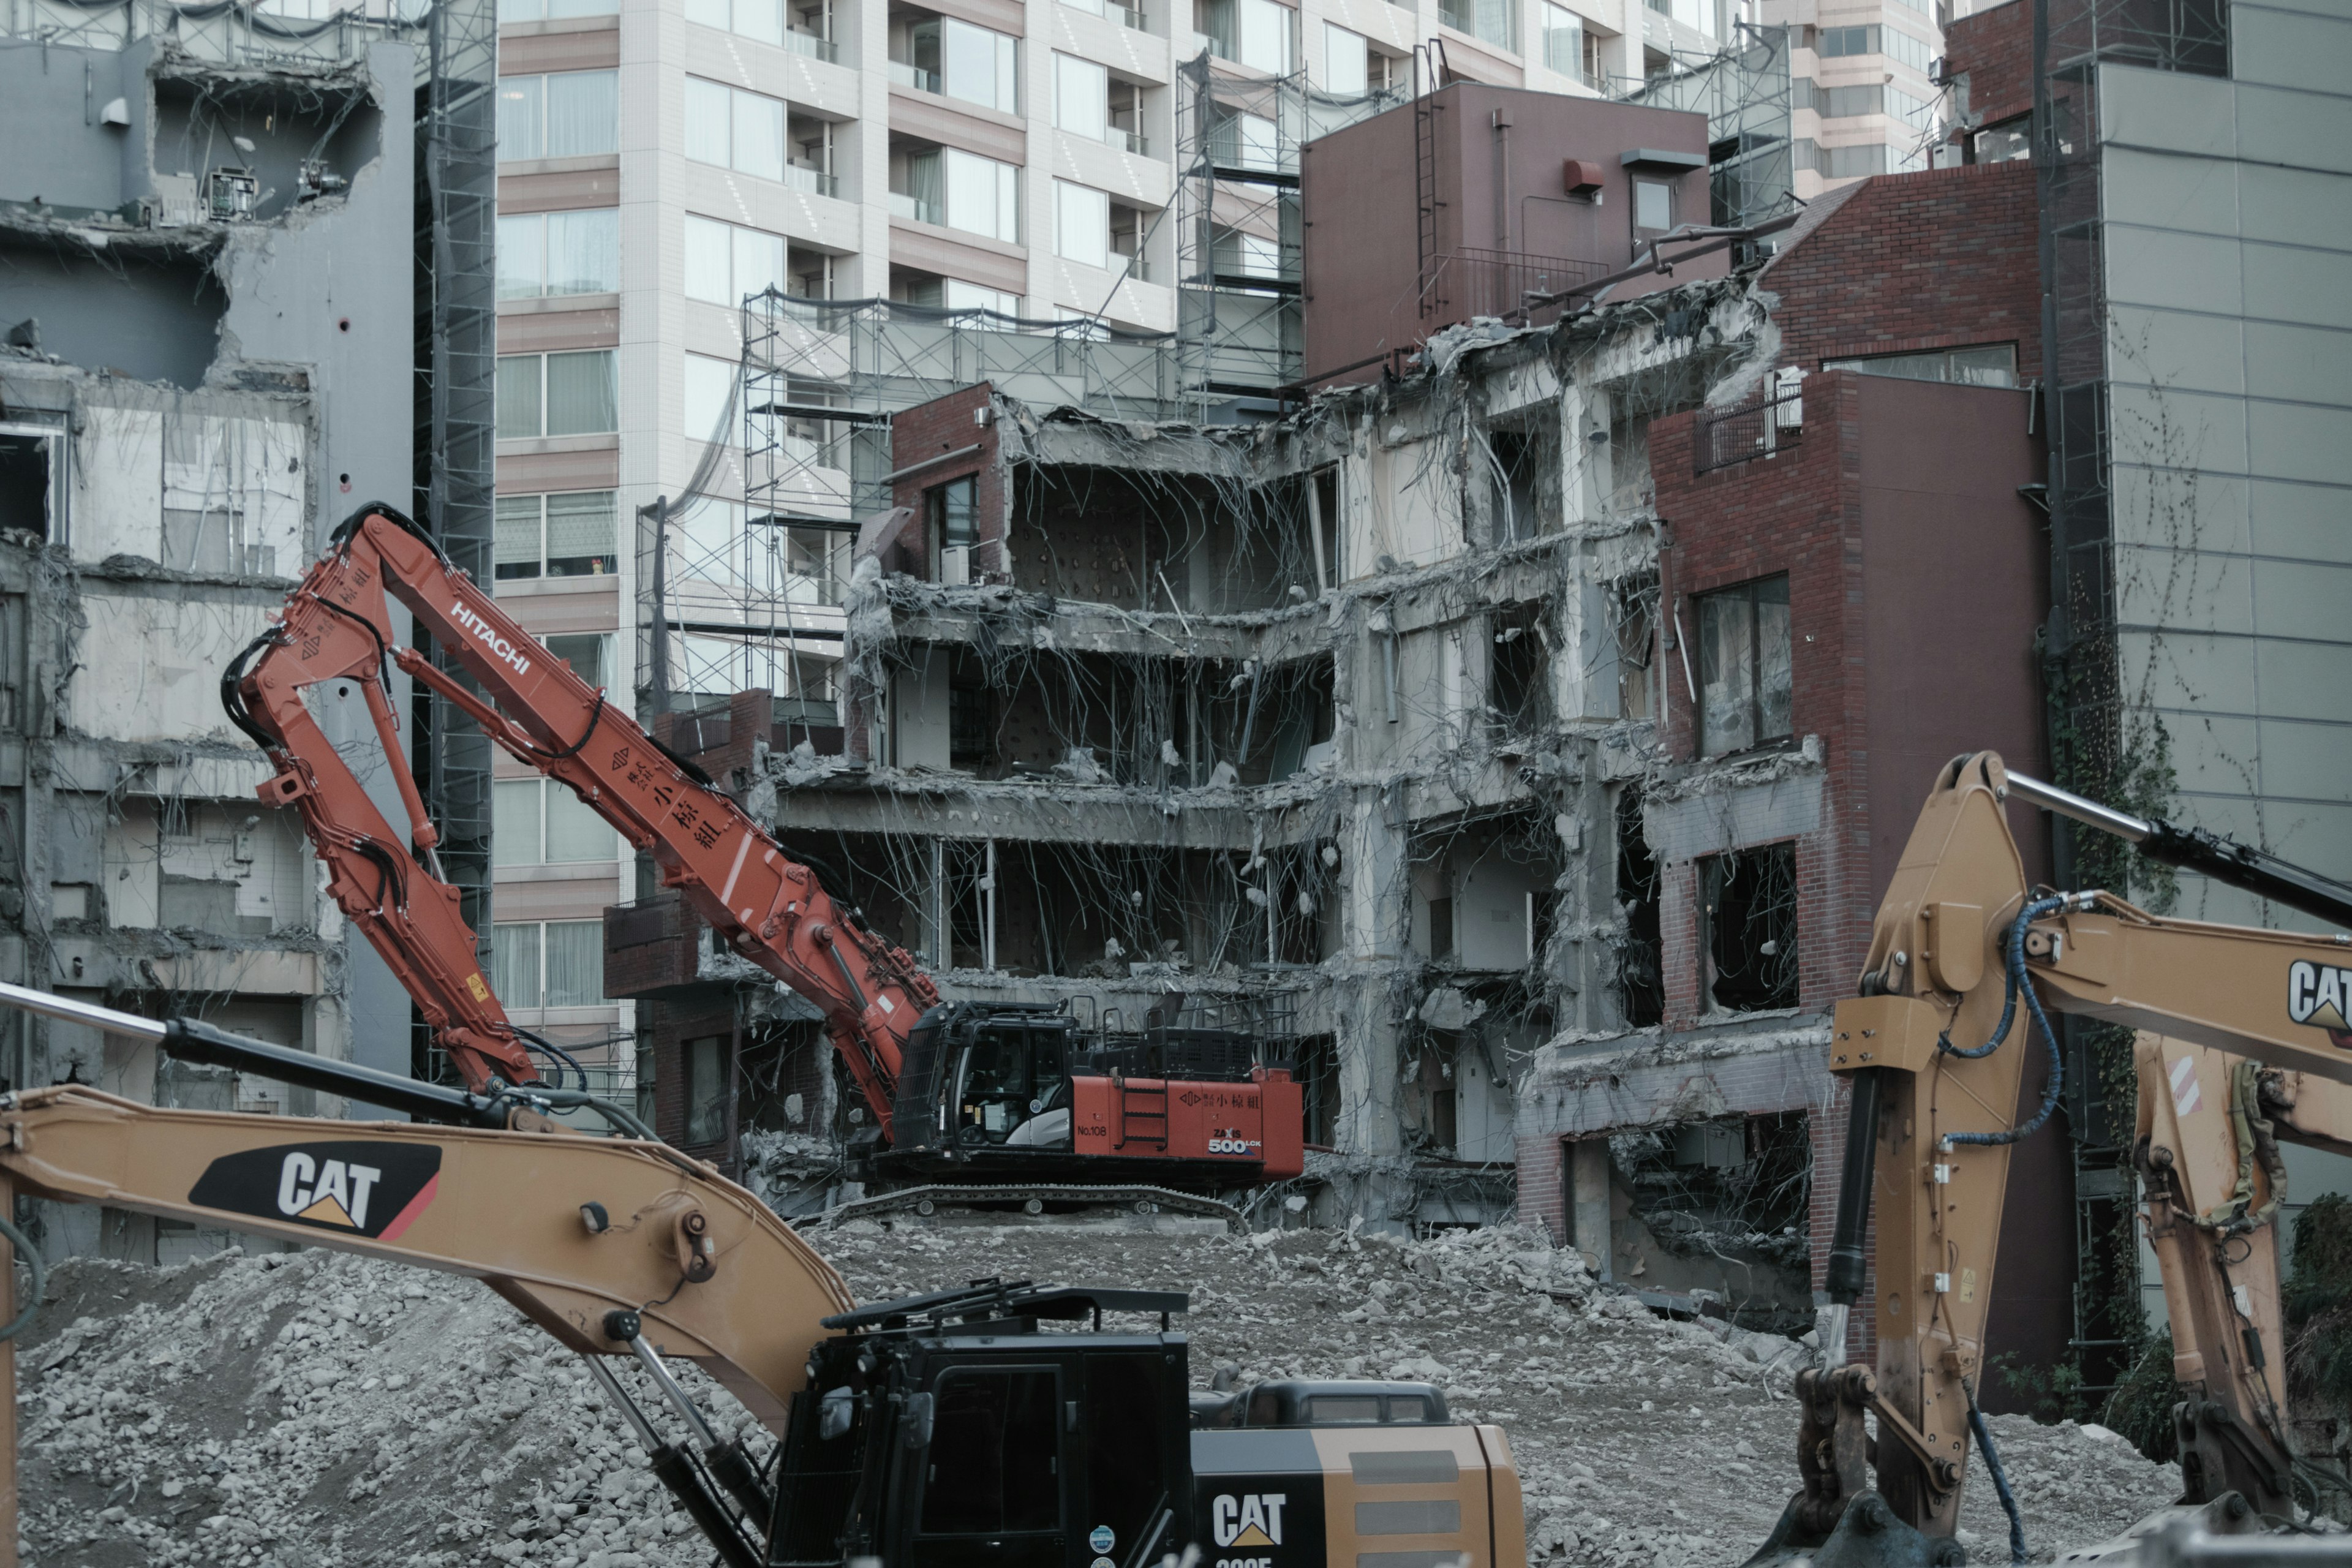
[211, 326]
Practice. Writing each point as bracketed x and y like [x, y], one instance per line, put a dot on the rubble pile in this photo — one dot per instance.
[314, 1409]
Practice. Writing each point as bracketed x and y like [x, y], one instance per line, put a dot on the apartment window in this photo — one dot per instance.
[2010, 141]
[725, 262]
[553, 10]
[1654, 206]
[548, 963]
[717, 667]
[1745, 676]
[951, 516]
[1990, 364]
[537, 822]
[559, 253]
[761, 20]
[959, 190]
[708, 411]
[705, 1061]
[1082, 98]
[1346, 61]
[557, 394]
[734, 129]
[1832, 43]
[1845, 103]
[957, 59]
[571, 114]
[1081, 223]
[1489, 21]
[952, 294]
[1318, 1071]
[1563, 42]
[1255, 33]
[574, 533]
[590, 654]
[1747, 912]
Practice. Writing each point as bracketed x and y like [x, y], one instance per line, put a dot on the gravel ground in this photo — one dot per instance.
[312, 1409]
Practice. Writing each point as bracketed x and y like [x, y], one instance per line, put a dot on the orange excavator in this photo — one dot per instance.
[963, 1091]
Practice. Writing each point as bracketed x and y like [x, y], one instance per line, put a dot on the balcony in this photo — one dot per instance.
[815, 48]
[811, 179]
[917, 209]
[1111, 11]
[914, 75]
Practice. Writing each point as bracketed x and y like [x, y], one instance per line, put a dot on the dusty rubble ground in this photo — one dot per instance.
[312, 1409]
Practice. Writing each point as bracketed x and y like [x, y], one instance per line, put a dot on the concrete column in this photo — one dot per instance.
[1585, 1168]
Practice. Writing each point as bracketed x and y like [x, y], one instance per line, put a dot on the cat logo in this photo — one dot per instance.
[2320, 995]
[369, 1188]
[1252, 1519]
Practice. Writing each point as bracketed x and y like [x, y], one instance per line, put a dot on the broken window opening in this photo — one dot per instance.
[1523, 481]
[1724, 1207]
[32, 492]
[1518, 692]
[952, 520]
[1748, 931]
[1746, 676]
[1641, 971]
[704, 1080]
[972, 727]
[1633, 617]
[1318, 1071]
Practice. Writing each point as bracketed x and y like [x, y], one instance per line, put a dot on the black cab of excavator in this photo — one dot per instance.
[978, 1077]
[957, 1429]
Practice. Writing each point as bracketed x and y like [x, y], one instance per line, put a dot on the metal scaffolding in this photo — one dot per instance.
[456, 415]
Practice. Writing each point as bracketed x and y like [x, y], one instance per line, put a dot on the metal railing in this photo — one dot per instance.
[1741, 435]
[811, 44]
[814, 181]
[1503, 283]
[917, 210]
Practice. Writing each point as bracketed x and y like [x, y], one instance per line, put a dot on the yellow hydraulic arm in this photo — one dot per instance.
[1963, 955]
[615, 1246]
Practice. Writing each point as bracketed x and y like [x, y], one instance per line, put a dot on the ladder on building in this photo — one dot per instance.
[1144, 1105]
[1429, 73]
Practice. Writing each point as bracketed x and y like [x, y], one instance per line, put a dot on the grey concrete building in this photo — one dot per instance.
[207, 228]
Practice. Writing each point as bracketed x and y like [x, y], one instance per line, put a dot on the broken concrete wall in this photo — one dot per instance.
[185, 443]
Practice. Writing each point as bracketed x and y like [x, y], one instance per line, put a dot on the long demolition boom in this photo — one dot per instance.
[338, 627]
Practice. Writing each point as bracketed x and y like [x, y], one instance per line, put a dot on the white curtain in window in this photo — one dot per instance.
[582, 396]
[522, 256]
[515, 550]
[574, 831]
[709, 385]
[519, 399]
[1264, 41]
[1081, 223]
[982, 196]
[514, 964]
[520, 101]
[1346, 62]
[759, 262]
[514, 822]
[576, 963]
[761, 20]
[706, 115]
[583, 531]
[759, 124]
[708, 13]
[1081, 97]
[977, 66]
[1563, 42]
[709, 261]
[583, 251]
[583, 114]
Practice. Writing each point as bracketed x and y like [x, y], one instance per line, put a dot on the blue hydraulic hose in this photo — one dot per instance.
[2017, 1552]
[2017, 981]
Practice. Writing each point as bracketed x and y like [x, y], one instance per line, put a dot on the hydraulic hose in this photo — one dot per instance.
[2017, 1550]
[25, 1250]
[2016, 981]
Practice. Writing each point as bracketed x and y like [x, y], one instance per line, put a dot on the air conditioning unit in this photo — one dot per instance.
[955, 565]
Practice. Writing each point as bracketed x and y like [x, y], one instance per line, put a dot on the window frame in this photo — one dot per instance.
[612, 361]
[540, 568]
[542, 857]
[540, 112]
[538, 1002]
[545, 290]
[1751, 592]
[734, 162]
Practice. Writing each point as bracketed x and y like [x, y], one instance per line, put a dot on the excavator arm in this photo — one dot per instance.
[613, 1247]
[337, 628]
[1965, 964]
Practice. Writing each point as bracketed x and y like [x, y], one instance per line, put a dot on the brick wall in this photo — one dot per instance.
[1994, 50]
[942, 425]
[670, 1025]
[1941, 259]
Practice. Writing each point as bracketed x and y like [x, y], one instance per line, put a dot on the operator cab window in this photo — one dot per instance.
[1344, 1410]
[992, 1473]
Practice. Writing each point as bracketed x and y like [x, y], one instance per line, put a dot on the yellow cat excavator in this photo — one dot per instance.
[2244, 1038]
[949, 1428]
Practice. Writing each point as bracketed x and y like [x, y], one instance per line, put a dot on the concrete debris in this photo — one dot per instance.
[325, 1410]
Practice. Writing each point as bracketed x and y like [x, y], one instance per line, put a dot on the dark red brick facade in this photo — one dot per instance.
[927, 447]
[1941, 258]
[1993, 51]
